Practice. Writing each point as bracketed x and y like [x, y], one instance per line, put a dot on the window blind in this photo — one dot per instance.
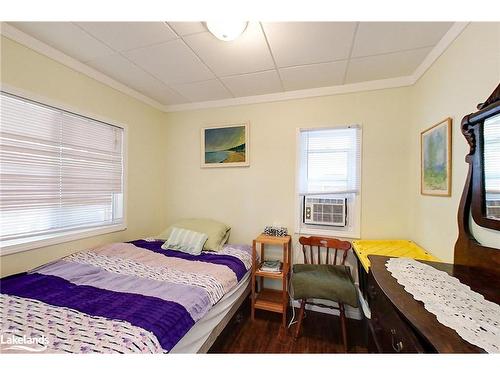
[491, 136]
[58, 171]
[330, 161]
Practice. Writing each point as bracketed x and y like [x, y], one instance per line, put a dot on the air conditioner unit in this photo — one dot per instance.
[324, 210]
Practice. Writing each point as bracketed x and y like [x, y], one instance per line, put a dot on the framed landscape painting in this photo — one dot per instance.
[225, 146]
[435, 164]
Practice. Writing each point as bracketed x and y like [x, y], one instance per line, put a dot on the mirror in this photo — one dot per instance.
[481, 194]
[491, 139]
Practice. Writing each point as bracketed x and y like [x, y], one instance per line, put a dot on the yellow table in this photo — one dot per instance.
[390, 248]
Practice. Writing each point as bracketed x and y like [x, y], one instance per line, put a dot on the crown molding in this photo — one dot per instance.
[448, 38]
[297, 94]
[17, 35]
[36, 45]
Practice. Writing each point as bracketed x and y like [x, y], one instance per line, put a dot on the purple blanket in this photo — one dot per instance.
[235, 264]
[129, 297]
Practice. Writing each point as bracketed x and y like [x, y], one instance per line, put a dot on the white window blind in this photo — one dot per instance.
[330, 161]
[491, 136]
[59, 171]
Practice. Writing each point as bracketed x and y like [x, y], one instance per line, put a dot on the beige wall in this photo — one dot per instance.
[165, 181]
[392, 207]
[250, 198]
[164, 160]
[27, 70]
[462, 77]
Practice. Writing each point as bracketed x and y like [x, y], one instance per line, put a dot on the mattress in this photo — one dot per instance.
[206, 330]
[119, 298]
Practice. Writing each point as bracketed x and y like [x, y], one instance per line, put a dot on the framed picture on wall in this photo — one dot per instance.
[225, 146]
[435, 159]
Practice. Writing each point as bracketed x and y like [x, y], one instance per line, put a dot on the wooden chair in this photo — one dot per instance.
[320, 277]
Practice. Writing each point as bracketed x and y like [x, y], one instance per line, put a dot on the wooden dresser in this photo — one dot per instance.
[401, 324]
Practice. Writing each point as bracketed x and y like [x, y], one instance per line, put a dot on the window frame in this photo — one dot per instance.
[35, 242]
[354, 200]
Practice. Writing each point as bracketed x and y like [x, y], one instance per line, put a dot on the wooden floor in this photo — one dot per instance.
[320, 334]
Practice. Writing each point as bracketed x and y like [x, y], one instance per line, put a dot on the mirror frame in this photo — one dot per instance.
[467, 250]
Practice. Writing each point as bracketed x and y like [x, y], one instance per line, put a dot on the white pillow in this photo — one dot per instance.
[185, 240]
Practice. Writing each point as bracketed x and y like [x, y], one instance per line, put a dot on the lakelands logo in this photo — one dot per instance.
[17, 341]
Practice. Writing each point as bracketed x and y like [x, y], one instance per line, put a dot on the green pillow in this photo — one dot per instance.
[217, 232]
[186, 241]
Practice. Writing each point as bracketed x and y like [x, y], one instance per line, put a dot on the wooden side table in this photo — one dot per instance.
[270, 299]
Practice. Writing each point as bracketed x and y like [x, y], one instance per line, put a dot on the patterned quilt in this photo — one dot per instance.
[119, 298]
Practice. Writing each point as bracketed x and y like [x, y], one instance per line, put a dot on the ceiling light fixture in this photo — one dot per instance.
[226, 30]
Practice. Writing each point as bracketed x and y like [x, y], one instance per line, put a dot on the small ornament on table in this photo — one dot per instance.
[275, 231]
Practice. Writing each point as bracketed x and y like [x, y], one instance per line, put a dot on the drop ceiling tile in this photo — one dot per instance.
[124, 71]
[311, 76]
[67, 38]
[187, 28]
[249, 53]
[374, 38]
[171, 62]
[254, 83]
[203, 91]
[118, 67]
[122, 36]
[385, 66]
[160, 92]
[300, 43]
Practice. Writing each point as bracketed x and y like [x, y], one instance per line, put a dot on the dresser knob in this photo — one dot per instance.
[397, 346]
[372, 291]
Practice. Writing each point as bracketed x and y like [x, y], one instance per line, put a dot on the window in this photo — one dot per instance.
[329, 171]
[61, 174]
[491, 136]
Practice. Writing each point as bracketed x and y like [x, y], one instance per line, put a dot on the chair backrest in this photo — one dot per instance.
[311, 248]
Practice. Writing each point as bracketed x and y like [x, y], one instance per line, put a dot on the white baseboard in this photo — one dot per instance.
[364, 305]
[350, 312]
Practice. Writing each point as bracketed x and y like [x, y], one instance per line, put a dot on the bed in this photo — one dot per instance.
[124, 298]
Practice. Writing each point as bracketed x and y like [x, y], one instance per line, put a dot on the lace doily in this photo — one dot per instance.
[455, 305]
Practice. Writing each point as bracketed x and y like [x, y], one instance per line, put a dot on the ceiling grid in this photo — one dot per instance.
[182, 65]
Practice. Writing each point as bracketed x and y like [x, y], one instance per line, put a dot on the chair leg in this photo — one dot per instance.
[301, 316]
[343, 325]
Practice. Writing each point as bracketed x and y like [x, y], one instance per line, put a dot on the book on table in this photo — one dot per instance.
[271, 266]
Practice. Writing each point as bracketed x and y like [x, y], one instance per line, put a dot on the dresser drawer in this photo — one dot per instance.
[391, 332]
